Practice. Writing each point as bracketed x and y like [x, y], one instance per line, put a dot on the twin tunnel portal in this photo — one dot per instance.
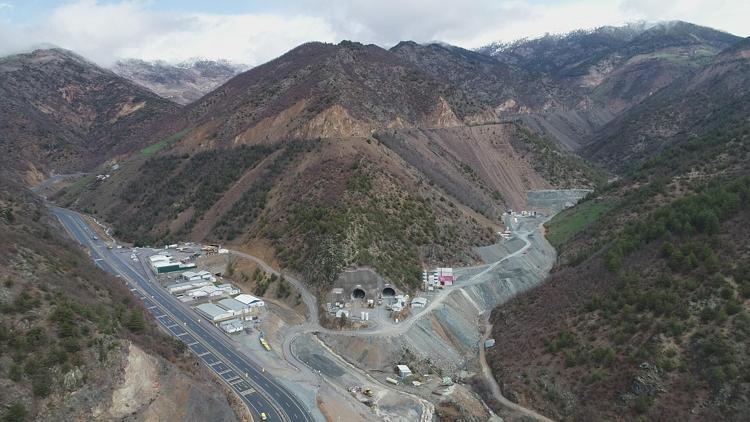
[387, 292]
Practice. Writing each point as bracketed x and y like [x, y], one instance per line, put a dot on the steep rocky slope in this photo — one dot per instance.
[74, 345]
[339, 155]
[182, 83]
[508, 89]
[613, 68]
[546, 104]
[59, 112]
[326, 90]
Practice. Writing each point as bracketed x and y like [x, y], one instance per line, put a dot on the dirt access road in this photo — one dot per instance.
[495, 388]
[312, 325]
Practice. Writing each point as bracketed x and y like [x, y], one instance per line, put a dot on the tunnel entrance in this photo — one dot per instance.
[358, 293]
[389, 292]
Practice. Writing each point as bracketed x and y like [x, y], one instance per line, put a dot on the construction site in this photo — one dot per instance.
[401, 355]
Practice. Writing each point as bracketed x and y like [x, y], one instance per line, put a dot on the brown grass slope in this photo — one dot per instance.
[59, 112]
[323, 90]
[298, 140]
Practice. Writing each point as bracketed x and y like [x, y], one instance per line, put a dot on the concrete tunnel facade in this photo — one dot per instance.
[363, 284]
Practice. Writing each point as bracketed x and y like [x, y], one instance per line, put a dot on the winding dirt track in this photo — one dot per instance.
[312, 325]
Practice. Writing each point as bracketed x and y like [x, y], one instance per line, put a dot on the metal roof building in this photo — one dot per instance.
[158, 258]
[213, 312]
[232, 325]
[188, 285]
[199, 275]
[403, 371]
[250, 300]
[234, 306]
[228, 289]
[206, 291]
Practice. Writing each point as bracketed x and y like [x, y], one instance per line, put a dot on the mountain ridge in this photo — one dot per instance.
[182, 82]
[60, 112]
[346, 119]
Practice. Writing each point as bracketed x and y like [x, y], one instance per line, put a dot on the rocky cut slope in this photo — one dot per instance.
[182, 83]
[60, 112]
[335, 155]
[507, 88]
[326, 90]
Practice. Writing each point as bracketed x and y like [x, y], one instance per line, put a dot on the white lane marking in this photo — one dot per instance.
[211, 341]
[203, 354]
[192, 344]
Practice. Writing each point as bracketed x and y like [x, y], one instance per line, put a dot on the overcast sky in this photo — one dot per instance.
[252, 32]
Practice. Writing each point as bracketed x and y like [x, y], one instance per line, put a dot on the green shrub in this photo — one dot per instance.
[136, 322]
[41, 385]
[16, 413]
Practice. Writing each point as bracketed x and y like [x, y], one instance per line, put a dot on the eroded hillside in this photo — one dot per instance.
[337, 155]
[714, 97]
[612, 70]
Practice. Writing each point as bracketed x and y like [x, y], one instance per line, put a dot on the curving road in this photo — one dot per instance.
[521, 231]
[255, 387]
[310, 301]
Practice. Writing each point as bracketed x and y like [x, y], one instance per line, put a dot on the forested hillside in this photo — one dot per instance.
[649, 306]
[68, 331]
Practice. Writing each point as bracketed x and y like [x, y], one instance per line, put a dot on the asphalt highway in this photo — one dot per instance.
[257, 389]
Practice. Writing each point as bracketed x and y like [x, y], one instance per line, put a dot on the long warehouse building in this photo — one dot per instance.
[214, 313]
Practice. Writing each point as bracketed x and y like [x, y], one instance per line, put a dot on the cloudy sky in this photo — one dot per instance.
[252, 32]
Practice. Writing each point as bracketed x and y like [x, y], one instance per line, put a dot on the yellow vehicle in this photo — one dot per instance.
[265, 344]
[263, 416]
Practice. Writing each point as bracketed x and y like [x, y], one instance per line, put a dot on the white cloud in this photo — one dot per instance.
[108, 31]
[472, 23]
